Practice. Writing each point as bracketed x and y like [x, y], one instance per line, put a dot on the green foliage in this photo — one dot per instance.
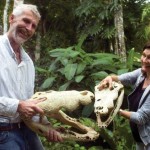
[133, 60]
[122, 134]
[73, 63]
[68, 145]
[96, 22]
[145, 21]
[93, 19]
[90, 23]
[2, 6]
[146, 13]
[117, 136]
[68, 65]
[72, 68]
[136, 22]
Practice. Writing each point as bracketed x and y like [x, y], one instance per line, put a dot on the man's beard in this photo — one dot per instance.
[18, 39]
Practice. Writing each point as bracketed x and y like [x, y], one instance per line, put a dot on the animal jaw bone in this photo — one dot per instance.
[70, 100]
[107, 103]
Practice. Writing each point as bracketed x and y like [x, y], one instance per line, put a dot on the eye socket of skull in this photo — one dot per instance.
[115, 86]
[92, 97]
[98, 99]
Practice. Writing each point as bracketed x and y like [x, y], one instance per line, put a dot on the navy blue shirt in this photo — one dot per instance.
[134, 99]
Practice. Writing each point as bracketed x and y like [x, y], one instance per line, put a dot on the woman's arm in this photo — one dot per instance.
[125, 114]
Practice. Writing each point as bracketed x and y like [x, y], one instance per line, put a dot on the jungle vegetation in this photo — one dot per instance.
[77, 44]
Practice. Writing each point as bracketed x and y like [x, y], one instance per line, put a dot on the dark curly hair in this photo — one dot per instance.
[146, 46]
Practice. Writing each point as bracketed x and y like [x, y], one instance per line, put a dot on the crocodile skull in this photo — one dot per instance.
[107, 103]
[55, 101]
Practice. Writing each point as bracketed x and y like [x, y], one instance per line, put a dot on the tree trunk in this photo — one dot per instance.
[38, 46]
[5, 16]
[120, 48]
[1, 30]
[18, 2]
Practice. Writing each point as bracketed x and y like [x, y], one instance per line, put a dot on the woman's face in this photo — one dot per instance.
[145, 61]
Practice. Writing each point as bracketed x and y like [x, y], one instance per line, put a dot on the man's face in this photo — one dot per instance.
[22, 27]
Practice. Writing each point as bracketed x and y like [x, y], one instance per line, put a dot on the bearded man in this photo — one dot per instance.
[17, 75]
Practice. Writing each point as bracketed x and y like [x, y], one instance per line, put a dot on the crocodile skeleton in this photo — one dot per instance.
[107, 104]
[55, 101]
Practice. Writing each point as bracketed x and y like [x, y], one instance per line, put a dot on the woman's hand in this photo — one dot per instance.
[107, 82]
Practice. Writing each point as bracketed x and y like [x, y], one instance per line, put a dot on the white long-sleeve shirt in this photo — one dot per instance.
[16, 80]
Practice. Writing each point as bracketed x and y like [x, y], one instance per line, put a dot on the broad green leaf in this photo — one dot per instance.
[121, 71]
[41, 70]
[104, 56]
[130, 59]
[48, 83]
[70, 70]
[65, 53]
[59, 52]
[109, 68]
[80, 68]
[100, 75]
[64, 86]
[64, 61]
[102, 62]
[72, 54]
[79, 78]
[87, 110]
[61, 70]
[53, 65]
[81, 40]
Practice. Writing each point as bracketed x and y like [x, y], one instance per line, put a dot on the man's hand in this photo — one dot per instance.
[29, 108]
[54, 136]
